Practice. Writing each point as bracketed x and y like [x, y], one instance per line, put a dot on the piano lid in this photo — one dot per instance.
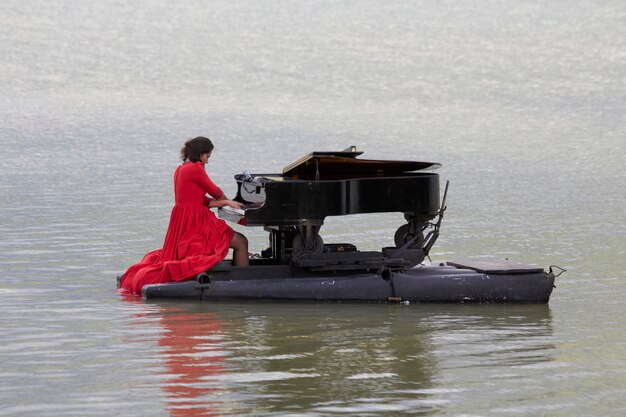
[331, 164]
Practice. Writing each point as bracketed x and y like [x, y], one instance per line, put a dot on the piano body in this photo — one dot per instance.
[292, 206]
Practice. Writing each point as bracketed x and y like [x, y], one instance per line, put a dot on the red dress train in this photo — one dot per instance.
[195, 240]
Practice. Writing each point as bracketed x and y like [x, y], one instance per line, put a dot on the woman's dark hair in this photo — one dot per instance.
[195, 147]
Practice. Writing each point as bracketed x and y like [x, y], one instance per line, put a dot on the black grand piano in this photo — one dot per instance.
[299, 265]
[292, 206]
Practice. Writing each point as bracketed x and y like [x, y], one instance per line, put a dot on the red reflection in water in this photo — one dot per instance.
[194, 355]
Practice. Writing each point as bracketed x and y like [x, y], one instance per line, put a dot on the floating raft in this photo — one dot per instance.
[468, 281]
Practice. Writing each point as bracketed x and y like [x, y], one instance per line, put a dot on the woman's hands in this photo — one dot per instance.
[234, 204]
[226, 202]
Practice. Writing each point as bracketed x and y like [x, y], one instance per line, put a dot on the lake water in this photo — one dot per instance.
[523, 103]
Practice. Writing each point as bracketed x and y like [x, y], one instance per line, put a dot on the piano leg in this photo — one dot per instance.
[409, 231]
[280, 242]
[307, 241]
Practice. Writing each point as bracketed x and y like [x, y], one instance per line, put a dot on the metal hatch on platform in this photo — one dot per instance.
[496, 266]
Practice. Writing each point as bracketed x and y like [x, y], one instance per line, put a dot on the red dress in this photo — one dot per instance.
[195, 240]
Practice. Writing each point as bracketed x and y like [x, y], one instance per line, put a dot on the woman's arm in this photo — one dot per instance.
[219, 198]
[202, 179]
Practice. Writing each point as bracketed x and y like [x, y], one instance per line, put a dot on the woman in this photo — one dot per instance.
[196, 239]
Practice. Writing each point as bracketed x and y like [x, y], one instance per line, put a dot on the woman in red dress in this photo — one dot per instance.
[195, 239]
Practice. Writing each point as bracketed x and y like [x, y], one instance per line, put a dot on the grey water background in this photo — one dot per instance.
[523, 102]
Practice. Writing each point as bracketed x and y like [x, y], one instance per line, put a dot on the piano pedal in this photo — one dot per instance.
[266, 253]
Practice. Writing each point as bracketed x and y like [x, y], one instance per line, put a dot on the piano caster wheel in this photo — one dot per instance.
[314, 245]
[403, 235]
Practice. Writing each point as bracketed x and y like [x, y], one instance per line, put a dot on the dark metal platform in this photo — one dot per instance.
[425, 283]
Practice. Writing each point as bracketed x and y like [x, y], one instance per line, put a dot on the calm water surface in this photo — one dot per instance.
[522, 102]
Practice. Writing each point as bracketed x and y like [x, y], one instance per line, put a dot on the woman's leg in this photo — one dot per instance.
[240, 245]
